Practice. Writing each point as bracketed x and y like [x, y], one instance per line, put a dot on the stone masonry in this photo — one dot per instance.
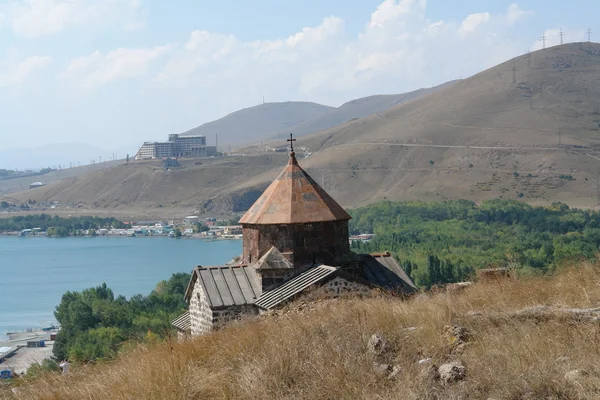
[201, 316]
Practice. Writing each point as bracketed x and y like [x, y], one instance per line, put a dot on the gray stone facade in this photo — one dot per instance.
[338, 286]
[201, 316]
[203, 319]
[224, 316]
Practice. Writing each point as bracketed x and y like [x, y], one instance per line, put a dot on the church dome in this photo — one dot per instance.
[294, 198]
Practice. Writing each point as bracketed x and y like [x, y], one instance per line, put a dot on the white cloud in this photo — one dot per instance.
[98, 69]
[515, 13]
[36, 18]
[14, 73]
[399, 49]
[472, 22]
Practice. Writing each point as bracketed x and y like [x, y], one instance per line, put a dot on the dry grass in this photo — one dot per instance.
[321, 354]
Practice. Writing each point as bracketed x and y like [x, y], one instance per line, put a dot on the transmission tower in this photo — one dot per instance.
[589, 34]
[543, 39]
[562, 34]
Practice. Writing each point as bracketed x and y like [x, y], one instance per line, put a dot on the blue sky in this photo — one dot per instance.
[113, 73]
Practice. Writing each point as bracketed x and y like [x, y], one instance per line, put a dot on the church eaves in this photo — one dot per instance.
[294, 198]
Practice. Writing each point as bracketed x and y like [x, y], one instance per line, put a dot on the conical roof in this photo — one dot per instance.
[294, 198]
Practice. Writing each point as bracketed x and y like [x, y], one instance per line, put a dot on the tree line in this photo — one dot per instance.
[95, 324]
[58, 226]
[441, 242]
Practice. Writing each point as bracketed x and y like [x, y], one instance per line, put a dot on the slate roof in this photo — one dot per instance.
[227, 285]
[294, 198]
[381, 269]
[183, 322]
[294, 286]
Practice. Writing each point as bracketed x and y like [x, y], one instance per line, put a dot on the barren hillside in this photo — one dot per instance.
[531, 138]
[259, 122]
[359, 108]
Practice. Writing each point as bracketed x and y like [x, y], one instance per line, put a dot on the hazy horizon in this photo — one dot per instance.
[111, 74]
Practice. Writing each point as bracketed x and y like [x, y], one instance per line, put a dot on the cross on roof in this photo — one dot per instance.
[291, 140]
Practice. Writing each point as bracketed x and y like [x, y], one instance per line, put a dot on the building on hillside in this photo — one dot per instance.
[191, 220]
[176, 146]
[36, 185]
[295, 244]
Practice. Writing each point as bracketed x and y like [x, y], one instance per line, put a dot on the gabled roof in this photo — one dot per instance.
[294, 286]
[183, 322]
[294, 198]
[227, 285]
[273, 259]
[382, 269]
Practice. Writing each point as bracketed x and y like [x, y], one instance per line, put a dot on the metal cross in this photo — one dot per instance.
[291, 140]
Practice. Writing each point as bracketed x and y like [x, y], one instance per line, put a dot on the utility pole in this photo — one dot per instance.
[559, 138]
[562, 34]
[543, 39]
[217, 141]
[589, 34]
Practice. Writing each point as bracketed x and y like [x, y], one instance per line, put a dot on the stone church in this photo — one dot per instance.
[295, 241]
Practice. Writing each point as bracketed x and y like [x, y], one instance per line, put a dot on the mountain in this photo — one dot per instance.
[527, 129]
[259, 122]
[53, 155]
[359, 108]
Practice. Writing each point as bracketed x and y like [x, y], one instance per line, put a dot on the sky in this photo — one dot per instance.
[114, 73]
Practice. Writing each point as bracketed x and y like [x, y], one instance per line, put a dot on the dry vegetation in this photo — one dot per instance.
[321, 354]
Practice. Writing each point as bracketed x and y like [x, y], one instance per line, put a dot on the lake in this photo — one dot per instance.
[36, 271]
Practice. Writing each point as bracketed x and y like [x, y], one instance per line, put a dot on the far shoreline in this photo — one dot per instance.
[188, 237]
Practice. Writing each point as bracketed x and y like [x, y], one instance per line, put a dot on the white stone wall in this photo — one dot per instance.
[201, 318]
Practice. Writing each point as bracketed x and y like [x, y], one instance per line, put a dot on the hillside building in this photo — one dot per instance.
[295, 244]
[176, 146]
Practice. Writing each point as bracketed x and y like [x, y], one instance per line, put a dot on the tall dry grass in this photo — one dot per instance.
[321, 354]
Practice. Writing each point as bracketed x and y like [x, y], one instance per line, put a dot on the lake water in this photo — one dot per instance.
[36, 271]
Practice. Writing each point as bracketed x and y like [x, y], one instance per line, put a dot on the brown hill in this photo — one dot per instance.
[359, 108]
[530, 138]
[259, 122]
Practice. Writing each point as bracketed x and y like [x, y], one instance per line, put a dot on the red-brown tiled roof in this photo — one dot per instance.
[294, 198]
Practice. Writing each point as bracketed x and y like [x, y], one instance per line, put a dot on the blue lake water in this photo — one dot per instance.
[36, 271]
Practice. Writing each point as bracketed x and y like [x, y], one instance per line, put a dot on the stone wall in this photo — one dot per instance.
[321, 242]
[201, 316]
[338, 286]
[221, 317]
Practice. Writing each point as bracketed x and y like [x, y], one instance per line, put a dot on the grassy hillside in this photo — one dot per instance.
[534, 138]
[525, 338]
